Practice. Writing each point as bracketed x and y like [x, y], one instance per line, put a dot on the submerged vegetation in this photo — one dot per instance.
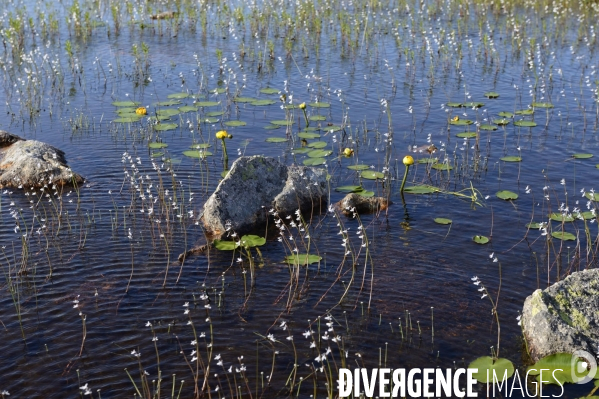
[492, 107]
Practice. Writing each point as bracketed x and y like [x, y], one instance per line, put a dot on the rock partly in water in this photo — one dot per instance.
[563, 317]
[31, 163]
[257, 184]
[357, 203]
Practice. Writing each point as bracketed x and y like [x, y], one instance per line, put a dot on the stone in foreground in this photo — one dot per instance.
[563, 317]
[31, 163]
[360, 204]
[257, 184]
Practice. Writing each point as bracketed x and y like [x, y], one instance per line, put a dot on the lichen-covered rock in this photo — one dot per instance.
[31, 163]
[357, 203]
[563, 317]
[7, 139]
[256, 184]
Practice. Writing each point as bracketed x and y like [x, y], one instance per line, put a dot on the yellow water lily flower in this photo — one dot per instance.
[348, 152]
[455, 118]
[222, 134]
[408, 160]
[302, 106]
[141, 111]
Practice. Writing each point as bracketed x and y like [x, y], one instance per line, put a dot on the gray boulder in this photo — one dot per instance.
[31, 163]
[563, 317]
[257, 184]
[355, 202]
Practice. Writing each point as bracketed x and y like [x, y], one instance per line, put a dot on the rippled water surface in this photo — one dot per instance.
[91, 277]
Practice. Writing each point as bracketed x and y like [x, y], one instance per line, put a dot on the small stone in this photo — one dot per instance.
[362, 204]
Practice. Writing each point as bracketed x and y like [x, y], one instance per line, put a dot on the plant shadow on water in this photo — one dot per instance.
[496, 103]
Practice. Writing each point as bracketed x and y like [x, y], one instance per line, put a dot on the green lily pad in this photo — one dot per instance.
[319, 105]
[201, 154]
[156, 154]
[128, 119]
[441, 166]
[358, 167]
[506, 114]
[308, 135]
[260, 103]
[215, 113]
[365, 193]
[155, 118]
[491, 94]
[507, 195]
[466, 135]
[428, 160]
[319, 153]
[157, 145]
[349, 189]
[219, 90]
[332, 128]
[317, 118]
[480, 239]
[167, 112]
[523, 123]
[372, 175]
[210, 120]
[276, 139]
[473, 105]
[525, 112]
[291, 106]
[588, 215]
[127, 111]
[206, 103]
[542, 105]
[558, 217]
[165, 126]
[583, 156]
[454, 105]
[282, 122]
[442, 221]
[188, 108]
[314, 161]
[461, 122]
[251, 241]
[487, 127]
[125, 104]
[592, 196]
[422, 189]
[303, 150]
[559, 368]
[244, 99]
[302, 259]
[179, 96]
[533, 225]
[269, 90]
[501, 369]
[225, 245]
[318, 144]
[271, 127]
[511, 158]
[501, 122]
[235, 123]
[563, 235]
[167, 103]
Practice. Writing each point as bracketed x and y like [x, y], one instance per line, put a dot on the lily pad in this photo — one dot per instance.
[201, 154]
[558, 217]
[235, 123]
[466, 135]
[534, 225]
[276, 139]
[215, 113]
[491, 94]
[188, 108]
[372, 175]
[358, 167]
[157, 145]
[282, 122]
[442, 221]
[314, 161]
[317, 118]
[308, 135]
[507, 195]
[480, 239]
[302, 259]
[587, 215]
[303, 150]
[161, 127]
[125, 104]
[271, 127]
[473, 105]
[592, 196]
[441, 166]
[542, 105]
[210, 120]
[454, 105]
[318, 144]
[269, 90]
[331, 128]
[511, 158]
[501, 122]
[349, 189]
[168, 112]
[179, 96]
[559, 368]
[319, 105]
[461, 122]
[207, 103]
[127, 111]
[506, 114]
[428, 160]
[525, 112]
[251, 241]
[167, 103]
[319, 153]
[487, 127]
[365, 193]
[223, 245]
[263, 102]
[583, 156]
[523, 123]
[422, 189]
[244, 99]
[501, 369]
[219, 90]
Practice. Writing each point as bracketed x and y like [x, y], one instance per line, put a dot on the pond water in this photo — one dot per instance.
[93, 296]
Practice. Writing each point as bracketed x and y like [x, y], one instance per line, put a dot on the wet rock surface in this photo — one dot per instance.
[357, 203]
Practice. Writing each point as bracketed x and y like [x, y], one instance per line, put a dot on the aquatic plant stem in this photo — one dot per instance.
[405, 177]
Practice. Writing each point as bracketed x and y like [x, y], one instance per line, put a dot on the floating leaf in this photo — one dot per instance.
[501, 122]
[506, 114]
[318, 118]
[167, 112]
[428, 160]
[454, 105]
[219, 90]
[318, 144]
[156, 154]
[225, 245]
[588, 215]
[215, 113]
[157, 145]
[523, 123]
[473, 105]
[358, 167]
[507, 195]
[319, 153]
[563, 235]
[188, 108]
[314, 161]
[207, 103]
[558, 217]
[559, 368]
[276, 139]
[235, 123]
[244, 99]
[462, 122]
[365, 193]
[179, 96]
[303, 150]
[332, 128]
[441, 166]
[487, 127]
[302, 259]
[490, 368]
[442, 221]
[372, 175]
[167, 103]
[423, 189]
[251, 241]
[491, 94]
[211, 120]
[125, 104]
[308, 135]
[349, 189]
[542, 105]
[271, 127]
[201, 154]
[525, 112]
[291, 106]
[165, 126]
[534, 225]
[480, 239]
[263, 102]
[282, 122]
[466, 135]
[319, 105]
[511, 158]
[583, 156]
[128, 111]
[269, 90]
[592, 196]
